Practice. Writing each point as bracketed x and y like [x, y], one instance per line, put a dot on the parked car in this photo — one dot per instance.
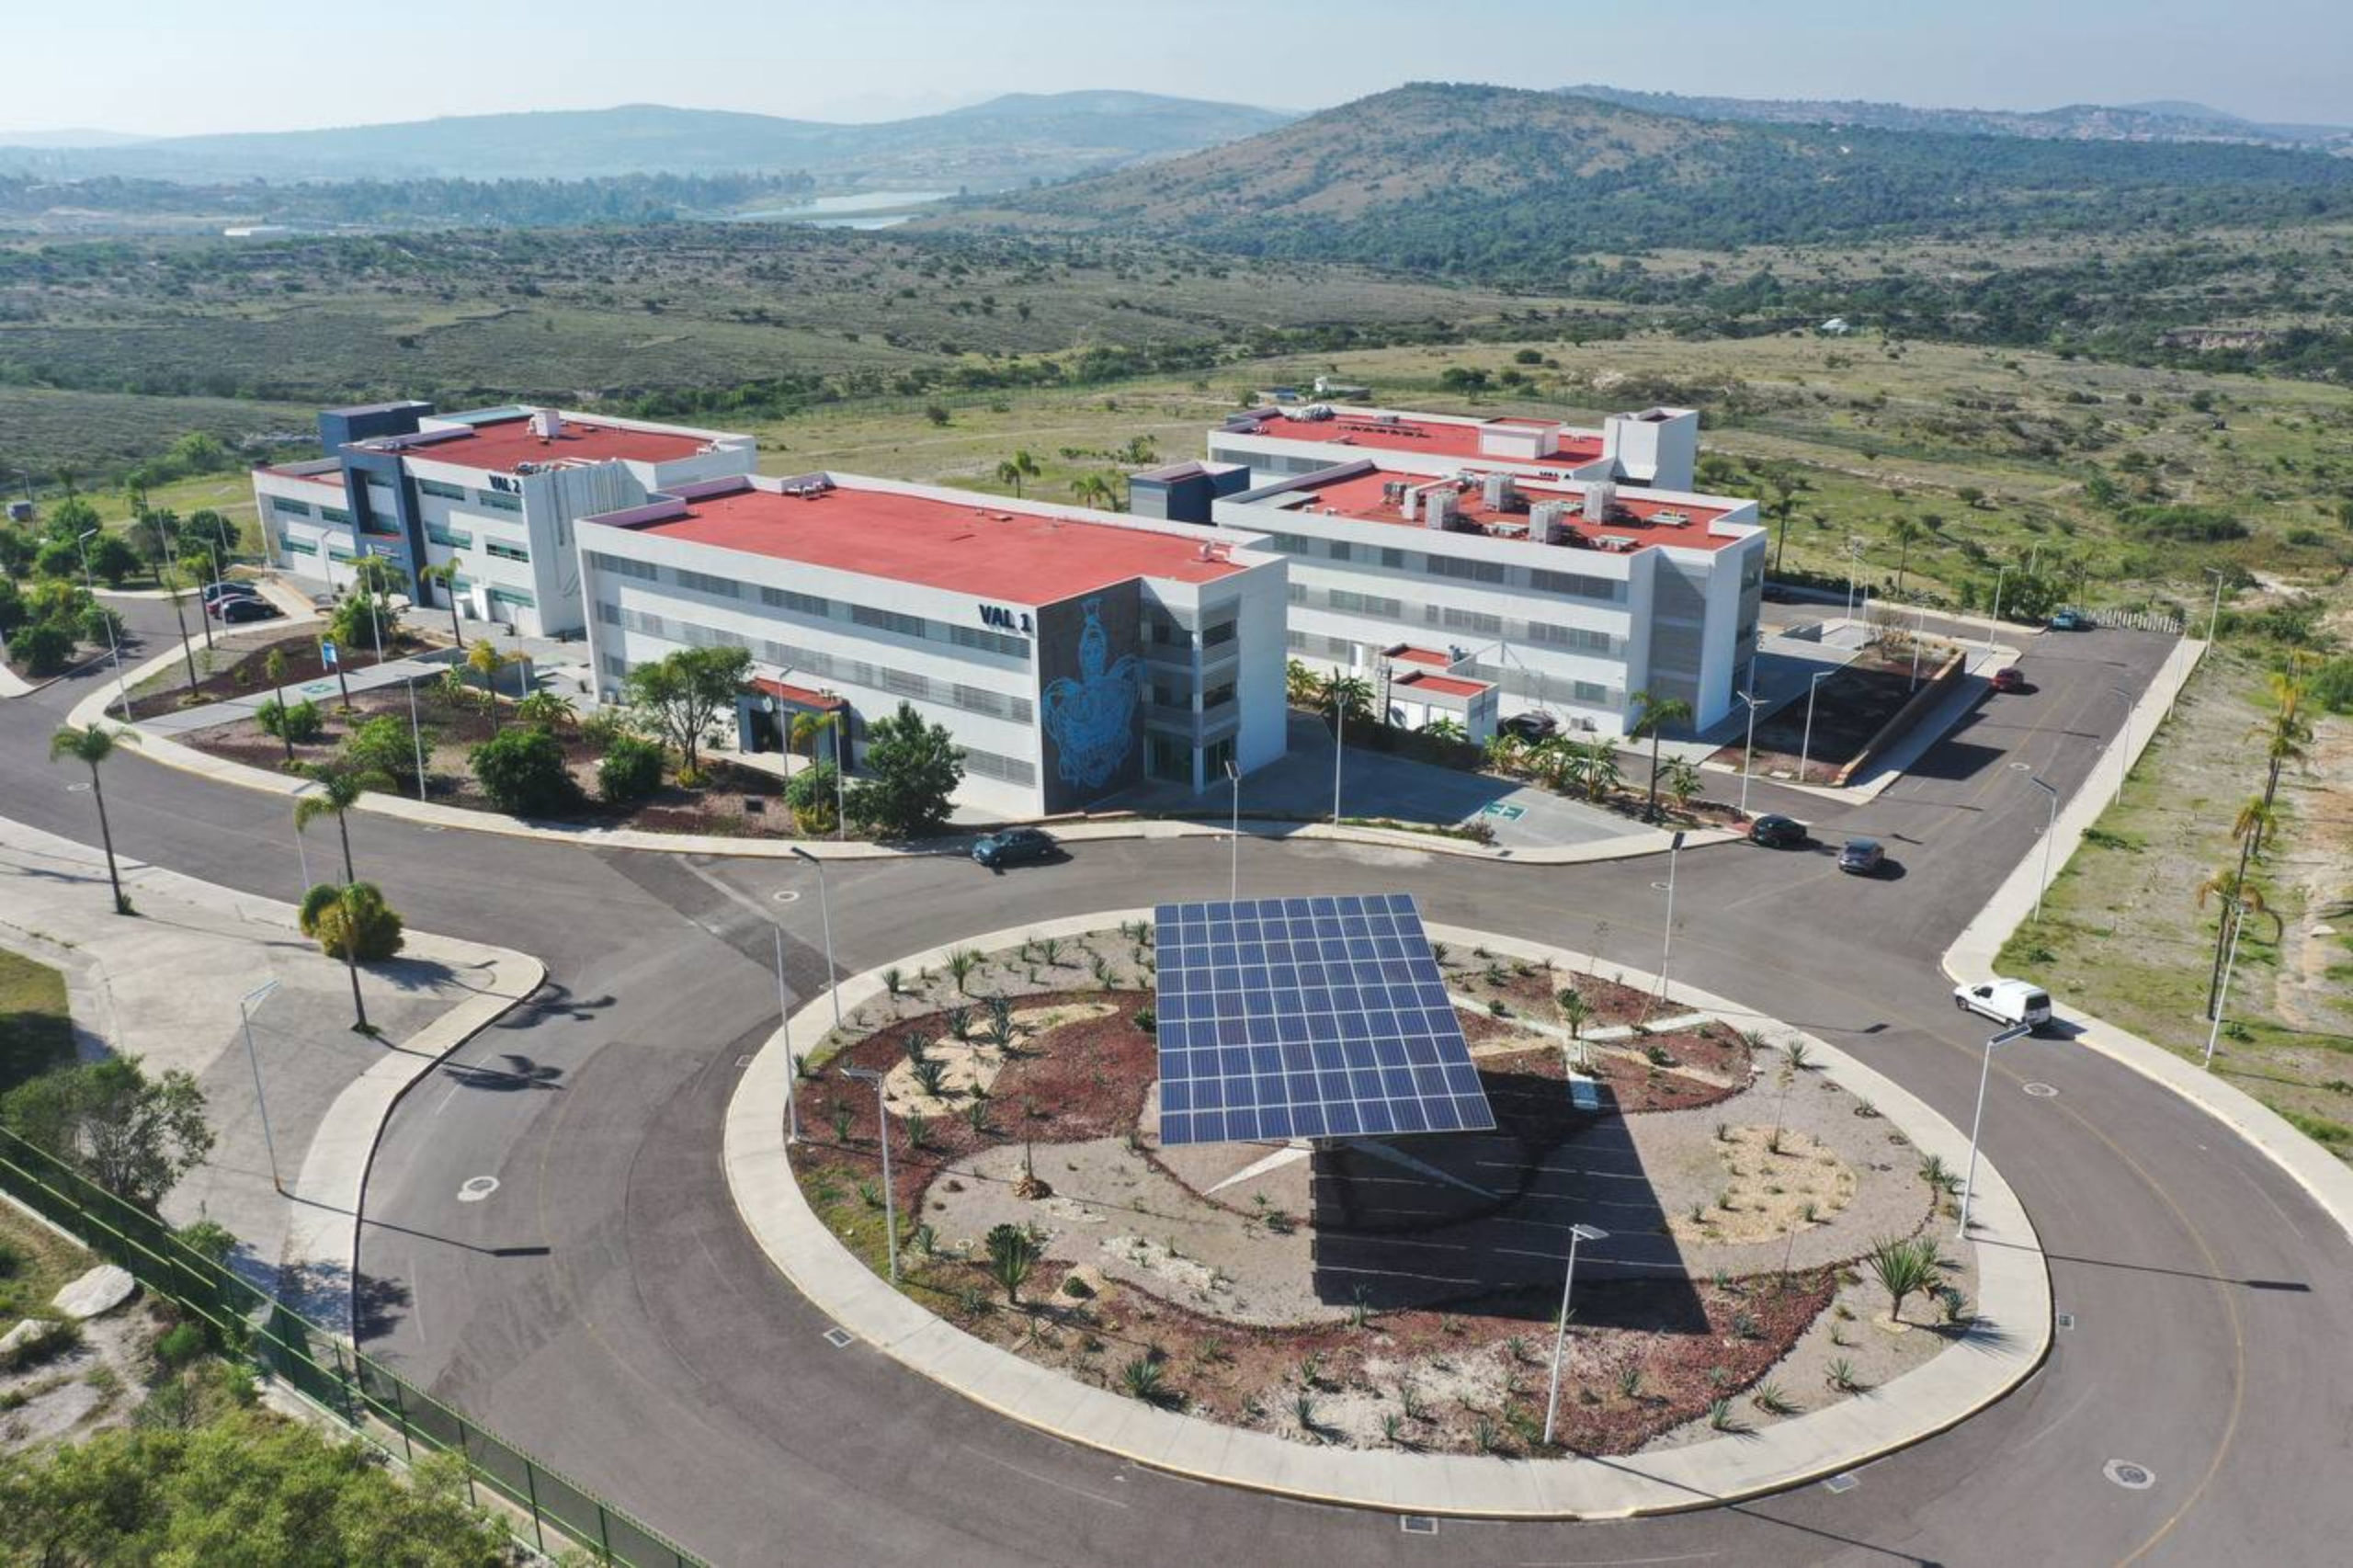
[1532, 726]
[1012, 845]
[1862, 857]
[1777, 832]
[2009, 677]
[2005, 1002]
[1778, 594]
[214, 592]
[213, 608]
[236, 612]
[2072, 621]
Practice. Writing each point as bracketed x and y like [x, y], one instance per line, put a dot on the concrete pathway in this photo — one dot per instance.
[165, 986]
[2012, 1336]
[366, 677]
[1971, 958]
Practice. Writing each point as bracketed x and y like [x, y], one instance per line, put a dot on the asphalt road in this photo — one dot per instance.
[604, 1308]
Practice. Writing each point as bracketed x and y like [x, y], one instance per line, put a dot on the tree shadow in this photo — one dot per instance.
[522, 1072]
[552, 1001]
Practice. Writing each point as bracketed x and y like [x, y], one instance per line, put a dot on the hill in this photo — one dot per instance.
[2166, 120]
[1506, 184]
[1006, 141]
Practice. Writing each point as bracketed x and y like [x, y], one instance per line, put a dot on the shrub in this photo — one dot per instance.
[300, 723]
[630, 771]
[43, 650]
[180, 1345]
[523, 773]
[364, 918]
[544, 710]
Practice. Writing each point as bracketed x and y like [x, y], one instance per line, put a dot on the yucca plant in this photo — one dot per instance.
[1903, 1268]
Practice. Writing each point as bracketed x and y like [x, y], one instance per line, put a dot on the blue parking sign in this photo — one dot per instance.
[326, 653]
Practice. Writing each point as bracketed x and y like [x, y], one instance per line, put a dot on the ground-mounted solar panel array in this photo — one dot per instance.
[1307, 1018]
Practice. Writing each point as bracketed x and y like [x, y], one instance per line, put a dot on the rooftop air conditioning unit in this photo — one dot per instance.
[546, 423]
[1599, 501]
[1393, 492]
[1496, 491]
[1548, 522]
[1439, 509]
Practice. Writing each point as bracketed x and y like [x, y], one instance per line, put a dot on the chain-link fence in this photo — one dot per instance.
[549, 1512]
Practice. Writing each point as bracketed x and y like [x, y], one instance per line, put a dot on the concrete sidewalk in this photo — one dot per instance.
[369, 676]
[2012, 1337]
[164, 987]
[1971, 957]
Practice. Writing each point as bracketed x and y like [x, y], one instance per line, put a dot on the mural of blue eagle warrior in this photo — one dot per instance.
[1090, 718]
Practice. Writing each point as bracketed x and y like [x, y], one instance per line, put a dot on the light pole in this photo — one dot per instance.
[791, 1062]
[1666, 948]
[2123, 744]
[303, 857]
[1233, 835]
[1339, 740]
[245, 1004]
[1969, 1188]
[82, 544]
[1994, 621]
[1561, 1329]
[882, 1136]
[1805, 750]
[2238, 923]
[416, 737]
[1748, 751]
[2214, 615]
[1919, 636]
[841, 775]
[2050, 832]
[825, 914]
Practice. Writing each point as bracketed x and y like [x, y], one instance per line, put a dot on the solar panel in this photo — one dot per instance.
[1307, 1018]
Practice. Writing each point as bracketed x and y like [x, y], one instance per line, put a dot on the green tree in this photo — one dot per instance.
[1015, 468]
[339, 788]
[1013, 1257]
[445, 578]
[198, 451]
[112, 559]
[134, 1135]
[361, 926]
[1905, 533]
[486, 659]
[1682, 782]
[912, 771]
[44, 649]
[176, 584]
[630, 771]
[813, 794]
[367, 618]
[1341, 693]
[91, 748]
[1658, 712]
[1594, 765]
[681, 695]
[383, 745]
[523, 772]
[273, 668]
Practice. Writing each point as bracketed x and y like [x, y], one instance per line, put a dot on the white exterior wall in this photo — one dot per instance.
[301, 544]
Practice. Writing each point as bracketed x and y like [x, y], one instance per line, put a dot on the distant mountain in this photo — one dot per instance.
[1007, 141]
[1502, 183]
[75, 136]
[2163, 121]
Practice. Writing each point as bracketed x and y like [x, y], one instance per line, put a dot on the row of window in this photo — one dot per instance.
[819, 608]
[1477, 623]
[989, 765]
[834, 668]
[1513, 680]
[1568, 585]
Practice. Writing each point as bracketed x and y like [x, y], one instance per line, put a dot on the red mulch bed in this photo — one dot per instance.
[241, 654]
[1088, 1083]
[1530, 995]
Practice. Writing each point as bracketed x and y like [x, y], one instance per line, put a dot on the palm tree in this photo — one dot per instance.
[1556, 762]
[1906, 533]
[1682, 782]
[2248, 827]
[1299, 685]
[1015, 468]
[1346, 695]
[1657, 713]
[1445, 728]
[445, 576]
[92, 746]
[1595, 765]
[806, 727]
[1506, 753]
[485, 660]
[174, 584]
[339, 789]
[273, 665]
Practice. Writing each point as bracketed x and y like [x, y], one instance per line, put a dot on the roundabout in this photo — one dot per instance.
[1368, 1321]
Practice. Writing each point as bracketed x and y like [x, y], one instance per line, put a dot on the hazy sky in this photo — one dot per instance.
[172, 66]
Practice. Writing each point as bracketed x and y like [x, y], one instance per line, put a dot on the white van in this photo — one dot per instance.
[2005, 1002]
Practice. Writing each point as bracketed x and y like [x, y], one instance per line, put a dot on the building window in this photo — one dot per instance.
[336, 553]
[1214, 757]
[1467, 620]
[1393, 559]
[1591, 692]
[1339, 549]
[887, 620]
[285, 505]
[704, 582]
[447, 537]
[1575, 584]
[1469, 571]
[504, 596]
[614, 666]
[989, 641]
[446, 491]
[989, 765]
[1577, 637]
[1288, 544]
[801, 604]
[336, 515]
[1165, 758]
[297, 547]
[507, 551]
[1365, 603]
[499, 500]
[1217, 696]
[1296, 592]
[1219, 634]
[622, 566]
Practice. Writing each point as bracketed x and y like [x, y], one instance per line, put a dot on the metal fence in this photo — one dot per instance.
[551, 1512]
[2165, 620]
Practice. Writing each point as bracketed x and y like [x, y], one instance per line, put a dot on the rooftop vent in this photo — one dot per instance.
[546, 423]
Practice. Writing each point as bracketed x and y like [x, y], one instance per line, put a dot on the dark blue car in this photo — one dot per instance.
[1012, 845]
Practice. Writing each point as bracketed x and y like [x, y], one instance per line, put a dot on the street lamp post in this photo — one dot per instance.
[416, 737]
[1919, 635]
[882, 1136]
[1984, 1072]
[1666, 948]
[1233, 835]
[1805, 749]
[2123, 744]
[2050, 832]
[1561, 1329]
[2214, 615]
[245, 1004]
[2237, 915]
[826, 915]
[1339, 741]
[791, 1062]
[841, 777]
[114, 648]
[1994, 621]
[1748, 751]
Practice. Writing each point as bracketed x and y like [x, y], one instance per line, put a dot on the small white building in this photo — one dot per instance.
[495, 492]
[1073, 653]
[1568, 598]
[1655, 446]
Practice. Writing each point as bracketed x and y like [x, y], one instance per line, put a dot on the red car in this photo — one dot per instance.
[2009, 677]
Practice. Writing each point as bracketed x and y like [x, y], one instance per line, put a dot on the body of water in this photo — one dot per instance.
[857, 209]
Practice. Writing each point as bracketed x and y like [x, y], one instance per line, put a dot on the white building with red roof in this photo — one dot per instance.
[1658, 447]
[493, 494]
[1073, 655]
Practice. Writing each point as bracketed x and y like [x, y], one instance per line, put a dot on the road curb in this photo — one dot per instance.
[1969, 959]
[2014, 1298]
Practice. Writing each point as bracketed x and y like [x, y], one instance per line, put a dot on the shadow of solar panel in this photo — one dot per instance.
[1307, 1018]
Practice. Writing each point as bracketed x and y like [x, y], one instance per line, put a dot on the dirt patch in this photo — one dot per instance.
[1776, 1181]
